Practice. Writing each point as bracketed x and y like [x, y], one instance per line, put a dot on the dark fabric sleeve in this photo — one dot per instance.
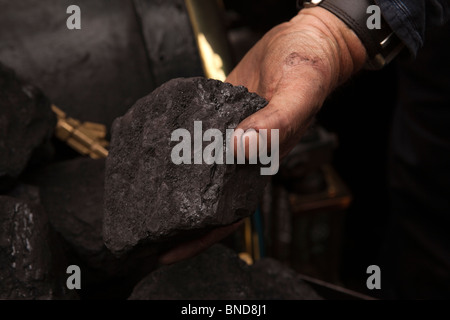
[409, 19]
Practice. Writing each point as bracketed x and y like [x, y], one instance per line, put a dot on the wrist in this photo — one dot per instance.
[343, 52]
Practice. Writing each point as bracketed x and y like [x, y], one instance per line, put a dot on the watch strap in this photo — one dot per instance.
[382, 45]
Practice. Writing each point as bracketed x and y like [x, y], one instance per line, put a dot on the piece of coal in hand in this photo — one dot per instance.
[149, 198]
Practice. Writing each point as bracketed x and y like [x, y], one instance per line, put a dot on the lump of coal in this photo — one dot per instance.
[72, 194]
[149, 199]
[26, 123]
[30, 264]
[219, 274]
[215, 274]
[26, 193]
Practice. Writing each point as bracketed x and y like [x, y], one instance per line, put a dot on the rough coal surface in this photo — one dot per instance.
[219, 274]
[31, 266]
[26, 125]
[148, 198]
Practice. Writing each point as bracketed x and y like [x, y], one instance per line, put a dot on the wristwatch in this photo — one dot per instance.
[381, 43]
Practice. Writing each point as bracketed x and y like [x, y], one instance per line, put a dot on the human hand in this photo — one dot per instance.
[295, 66]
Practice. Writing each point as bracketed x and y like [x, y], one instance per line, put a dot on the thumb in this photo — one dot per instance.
[289, 111]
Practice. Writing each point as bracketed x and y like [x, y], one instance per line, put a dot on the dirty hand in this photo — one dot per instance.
[294, 66]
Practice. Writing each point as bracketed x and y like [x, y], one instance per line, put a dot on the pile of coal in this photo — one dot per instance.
[219, 274]
[113, 218]
[26, 125]
[124, 50]
[148, 198]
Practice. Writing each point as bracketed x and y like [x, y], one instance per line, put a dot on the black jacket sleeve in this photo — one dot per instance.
[409, 19]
